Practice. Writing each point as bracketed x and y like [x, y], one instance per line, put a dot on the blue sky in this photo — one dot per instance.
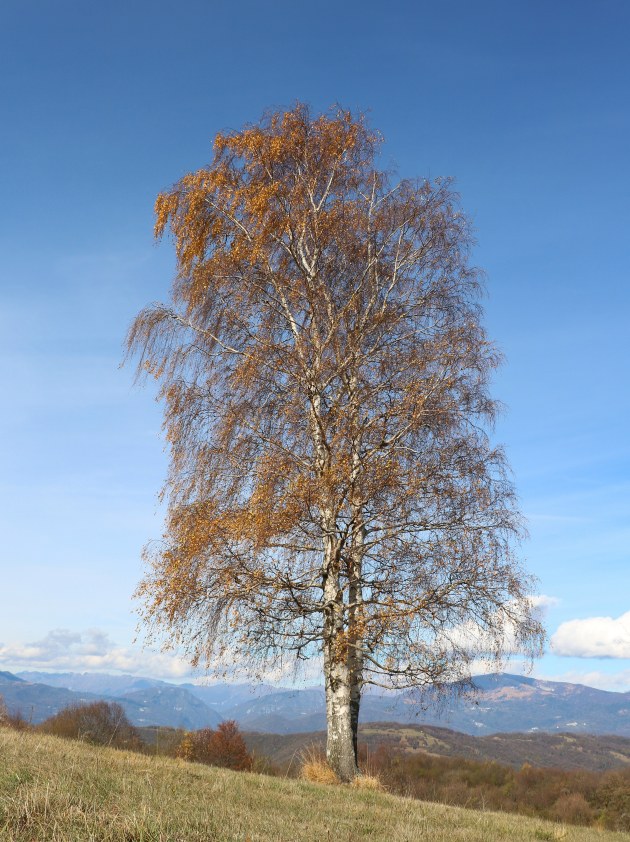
[104, 105]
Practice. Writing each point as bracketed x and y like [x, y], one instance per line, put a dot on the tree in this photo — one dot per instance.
[332, 487]
[98, 723]
[224, 747]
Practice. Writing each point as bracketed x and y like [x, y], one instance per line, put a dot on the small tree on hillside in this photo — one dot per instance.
[4, 713]
[99, 723]
[332, 487]
[224, 747]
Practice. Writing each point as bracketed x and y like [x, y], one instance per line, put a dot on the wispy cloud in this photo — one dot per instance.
[617, 681]
[593, 637]
[543, 603]
[500, 637]
[91, 651]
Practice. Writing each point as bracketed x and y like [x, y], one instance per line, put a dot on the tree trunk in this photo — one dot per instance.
[341, 739]
[356, 619]
[355, 656]
[356, 629]
[340, 744]
[355, 704]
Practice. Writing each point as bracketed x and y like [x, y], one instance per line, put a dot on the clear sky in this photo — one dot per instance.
[525, 103]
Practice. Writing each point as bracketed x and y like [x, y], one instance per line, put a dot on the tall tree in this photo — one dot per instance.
[332, 487]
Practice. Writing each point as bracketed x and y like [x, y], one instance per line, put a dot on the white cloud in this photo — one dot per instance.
[504, 636]
[544, 602]
[90, 651]
[617, 681]
[593, 637]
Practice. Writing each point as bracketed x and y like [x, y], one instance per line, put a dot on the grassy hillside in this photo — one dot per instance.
[56, 790]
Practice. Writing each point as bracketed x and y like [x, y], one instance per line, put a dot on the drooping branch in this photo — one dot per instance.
[325, 375]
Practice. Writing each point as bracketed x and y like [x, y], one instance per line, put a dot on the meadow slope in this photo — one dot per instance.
[56, 790]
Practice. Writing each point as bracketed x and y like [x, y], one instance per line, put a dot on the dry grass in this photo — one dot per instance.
[62, 791]
[368, 782]
[314, 767]
[318, 773]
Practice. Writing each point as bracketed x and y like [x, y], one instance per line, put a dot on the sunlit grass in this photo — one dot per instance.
[56, 790]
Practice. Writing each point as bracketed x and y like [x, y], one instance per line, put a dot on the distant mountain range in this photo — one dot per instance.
[145, 702]
[502, 704]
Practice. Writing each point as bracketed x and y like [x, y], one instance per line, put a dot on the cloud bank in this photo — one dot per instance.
[92, 650]
[593, 637]
[617, 682]
[470, 636]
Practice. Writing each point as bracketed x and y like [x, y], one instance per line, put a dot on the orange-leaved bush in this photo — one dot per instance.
[224, 747]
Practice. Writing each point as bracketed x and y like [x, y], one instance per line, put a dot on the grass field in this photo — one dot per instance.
[56, 790]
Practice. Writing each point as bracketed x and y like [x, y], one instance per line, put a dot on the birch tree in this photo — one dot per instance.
[333, 490]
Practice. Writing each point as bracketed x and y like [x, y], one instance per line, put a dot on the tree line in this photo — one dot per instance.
[102, 723]
[598, 799]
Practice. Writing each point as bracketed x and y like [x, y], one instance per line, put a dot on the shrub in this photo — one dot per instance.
[262, 765]
[99, 723]
[613, 800]
[224, 747]
[12, 720]
[188, 748]
[18, 721]
[573, 808]
[315, 768]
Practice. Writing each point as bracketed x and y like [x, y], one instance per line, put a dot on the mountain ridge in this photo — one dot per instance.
[502, 703]
[164, 704]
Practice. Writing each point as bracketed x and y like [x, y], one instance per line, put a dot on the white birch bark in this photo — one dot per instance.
[340, 748]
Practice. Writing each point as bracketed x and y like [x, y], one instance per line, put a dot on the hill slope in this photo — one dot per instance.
[36, 701]
[52, 789]
[168, 705]
[561, 751]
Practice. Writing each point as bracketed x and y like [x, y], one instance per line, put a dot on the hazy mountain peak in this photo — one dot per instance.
[8, 676]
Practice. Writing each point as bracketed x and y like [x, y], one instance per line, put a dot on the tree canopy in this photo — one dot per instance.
[333, 488]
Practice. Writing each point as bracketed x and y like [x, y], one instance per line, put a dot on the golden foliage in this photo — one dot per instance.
[325, 377]
[222, 747]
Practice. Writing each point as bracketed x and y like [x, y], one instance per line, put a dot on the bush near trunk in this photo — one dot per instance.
[315, 768]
